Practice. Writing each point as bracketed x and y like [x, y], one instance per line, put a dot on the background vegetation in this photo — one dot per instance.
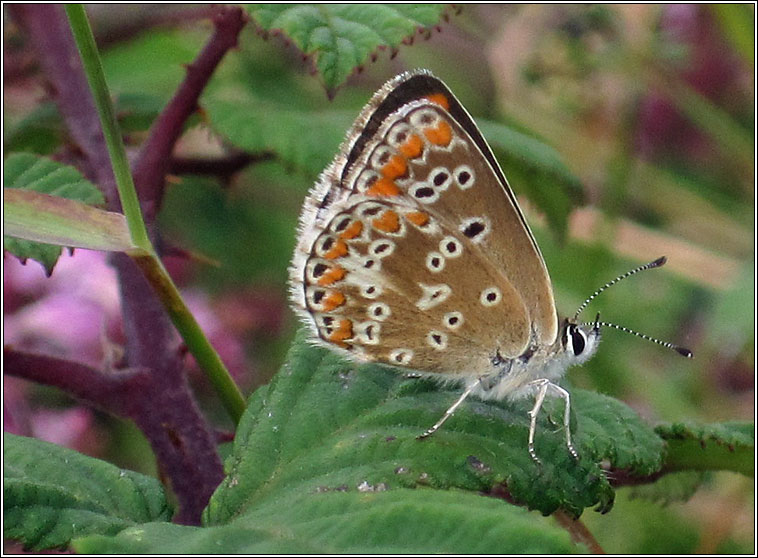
[626, 131]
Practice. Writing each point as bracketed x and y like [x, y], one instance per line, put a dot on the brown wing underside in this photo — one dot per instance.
[427, 264]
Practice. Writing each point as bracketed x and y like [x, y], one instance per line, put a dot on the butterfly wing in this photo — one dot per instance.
[413, 248]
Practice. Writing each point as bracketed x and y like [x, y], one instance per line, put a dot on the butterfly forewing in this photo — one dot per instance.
[396, 270]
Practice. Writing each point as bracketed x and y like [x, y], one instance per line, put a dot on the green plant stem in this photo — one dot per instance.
[148, 260]
[691, 455]
[93, 69]
[206, 356]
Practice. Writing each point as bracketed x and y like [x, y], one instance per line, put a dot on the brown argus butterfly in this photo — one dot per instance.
[413, 252]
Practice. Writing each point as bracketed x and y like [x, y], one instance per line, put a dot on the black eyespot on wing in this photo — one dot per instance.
[425, 192]
[371, 210]
[451, 247]
[473, 229]
[327, 243]
[342, 225]
[440, 178]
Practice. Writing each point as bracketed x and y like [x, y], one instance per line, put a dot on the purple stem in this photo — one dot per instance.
[157, 397]
[154, 159]
[85, 383]
[222, 167]
[47, 27]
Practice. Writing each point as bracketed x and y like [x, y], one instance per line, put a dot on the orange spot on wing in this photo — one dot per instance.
[413, 147]
[384, 187]
[388, 222]
[439, 99]
[344, 331]
[418, 218]
[441, 135]
[338, 249]
[333, 300]
[334, 274]
[396, 167]
[352, 230]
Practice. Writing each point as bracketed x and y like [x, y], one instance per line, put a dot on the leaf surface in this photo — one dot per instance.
[341, 37]
[53, 494]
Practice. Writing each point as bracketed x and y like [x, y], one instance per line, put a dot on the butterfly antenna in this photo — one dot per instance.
[652, 265]
[597, 324]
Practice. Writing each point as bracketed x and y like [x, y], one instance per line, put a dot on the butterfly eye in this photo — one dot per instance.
[578, 341]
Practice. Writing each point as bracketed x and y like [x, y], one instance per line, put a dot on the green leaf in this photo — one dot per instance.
[45, 254]
[674, 487]
[53, 494]
[539, 169]
[256, 125]
[264, 233]
[154, 61]
[727, 446]
[40, 131]
[28, 171]
[352, 522]
[324, 422]
[342, 36]
[40, 204]
[136, 112]
[326, 460]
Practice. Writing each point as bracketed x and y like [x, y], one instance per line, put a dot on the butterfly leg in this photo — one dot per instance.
[449, 412]
[543, 386]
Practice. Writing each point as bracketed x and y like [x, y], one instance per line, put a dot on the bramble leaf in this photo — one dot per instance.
[331, 424]
[352, 522]
[341, 37]
[52, 494]
[257, 125]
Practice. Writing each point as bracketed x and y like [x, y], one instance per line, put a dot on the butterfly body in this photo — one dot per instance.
[413, 253]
